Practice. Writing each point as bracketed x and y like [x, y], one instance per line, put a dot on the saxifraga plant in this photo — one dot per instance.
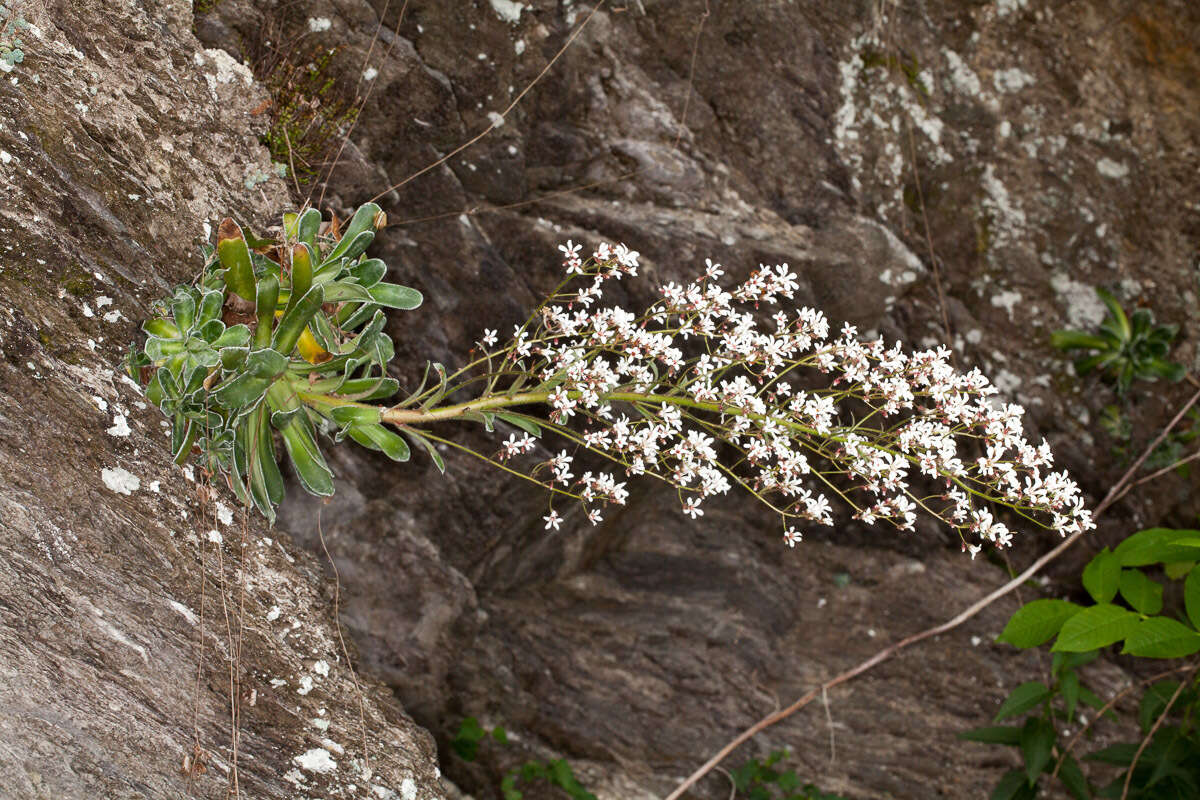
[287, 335]
[281, 337]
[1126, 348]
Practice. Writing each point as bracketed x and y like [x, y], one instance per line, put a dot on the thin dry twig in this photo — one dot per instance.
[962, 617]
[933, 260]
[500, 118]
[1104, 709]
[370, 89]
[1150, 735]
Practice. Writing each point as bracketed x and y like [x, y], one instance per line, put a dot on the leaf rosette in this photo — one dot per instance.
[278, 335]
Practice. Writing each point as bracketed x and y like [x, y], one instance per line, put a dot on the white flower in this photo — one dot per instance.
[553, 520]
[489, 337]
[792, 536]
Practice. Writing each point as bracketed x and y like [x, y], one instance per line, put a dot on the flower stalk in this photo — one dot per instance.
[704, 390]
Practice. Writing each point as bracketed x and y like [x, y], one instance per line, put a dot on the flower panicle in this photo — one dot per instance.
[703, 392]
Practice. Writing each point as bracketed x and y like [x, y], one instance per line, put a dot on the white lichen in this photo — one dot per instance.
[1011, 80]
[1006, 300]
[508, 10]
[1112, 169]
[316, 760]
[120, 480]
[319, 24]
[1084, 309]
[120, 426]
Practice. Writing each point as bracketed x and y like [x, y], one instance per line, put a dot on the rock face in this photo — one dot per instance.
[138, 613]
[979, 163]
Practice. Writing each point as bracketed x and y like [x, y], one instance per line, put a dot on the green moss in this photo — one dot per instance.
[983, 234]
[898, 62]
[309, 114]
[79, 283]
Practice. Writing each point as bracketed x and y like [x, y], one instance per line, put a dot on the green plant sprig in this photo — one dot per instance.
[1126, 348]
[1127, 606]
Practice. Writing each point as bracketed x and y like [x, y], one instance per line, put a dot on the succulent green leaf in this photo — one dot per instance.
[1121, 322]
[362, 222]
[212, 330]
[266, 363]
[416, 438]
[233, 337]
[393, 295]
[241, 391]
[210, 306]
[377, 437]
[1077, 340]
[306, 457]
[266, 475]
[160, 349]
[234, 255]
[296, 318]
[1037, 622]
[368, 272]
[344, 290]
[183, 308]
[162, 328]
[309, 227]
[233, 357]
[183, 436]
[348, 415]
[266, 300]
[1095, 627]
[303, 265]
[364, 389]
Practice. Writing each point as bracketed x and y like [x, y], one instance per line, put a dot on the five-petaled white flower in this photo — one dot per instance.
[553, 520]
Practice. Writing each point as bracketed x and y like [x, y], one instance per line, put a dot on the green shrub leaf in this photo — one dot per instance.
[1101, 577]
[1072, 777]
[1037, 622]
[1095, 627]
[1023, 698]
[1158, 545]
[1037, 740]
[1140, 592]
[1162, 637]
[1191, 596]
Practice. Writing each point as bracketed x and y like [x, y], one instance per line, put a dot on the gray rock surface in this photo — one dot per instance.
[134, 602]
[1056, 146]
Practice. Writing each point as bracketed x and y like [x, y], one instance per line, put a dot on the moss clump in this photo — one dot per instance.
[309, 114]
